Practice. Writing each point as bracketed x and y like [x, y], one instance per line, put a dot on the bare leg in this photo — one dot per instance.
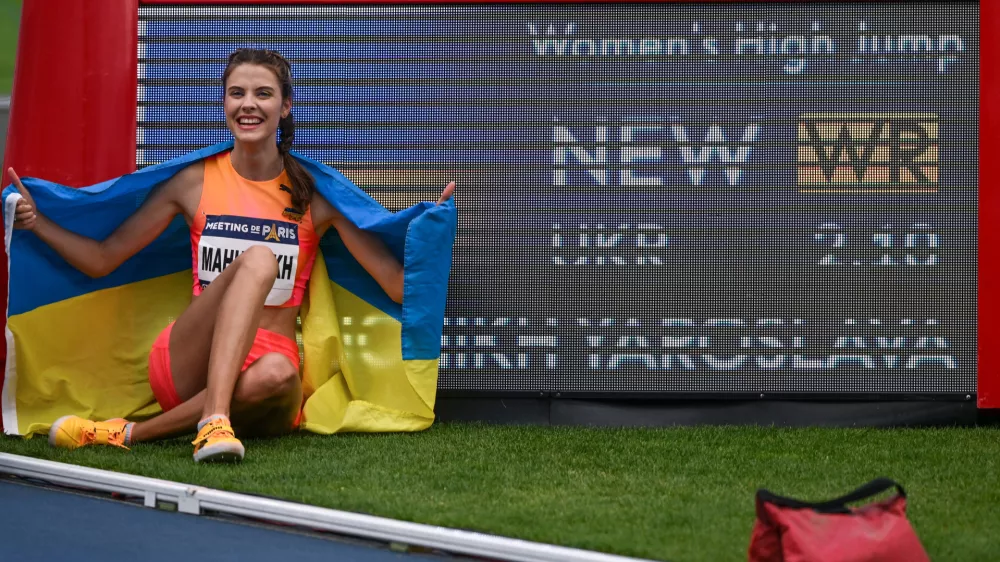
[265, 402]
[209, 344]
[211, 339]
[236, 324]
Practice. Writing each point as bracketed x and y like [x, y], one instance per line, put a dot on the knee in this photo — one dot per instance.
[260, 262]
[273, 377]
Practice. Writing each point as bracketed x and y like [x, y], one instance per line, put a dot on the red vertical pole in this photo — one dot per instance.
[73, 105]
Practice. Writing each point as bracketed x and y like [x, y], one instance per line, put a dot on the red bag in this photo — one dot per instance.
[789, 530]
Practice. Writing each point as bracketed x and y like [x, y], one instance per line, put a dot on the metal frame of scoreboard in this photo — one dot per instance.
[74, 119]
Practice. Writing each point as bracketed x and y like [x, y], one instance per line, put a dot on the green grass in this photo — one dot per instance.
[683, 494]
[10, 16]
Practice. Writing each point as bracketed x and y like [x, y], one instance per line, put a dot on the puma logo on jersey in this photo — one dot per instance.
[293, 214]
[290, 212]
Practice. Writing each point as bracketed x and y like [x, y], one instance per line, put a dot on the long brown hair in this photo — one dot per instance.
[303, 185]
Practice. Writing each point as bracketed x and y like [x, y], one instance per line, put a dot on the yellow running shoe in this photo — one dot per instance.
[216, 442]
[72, 432]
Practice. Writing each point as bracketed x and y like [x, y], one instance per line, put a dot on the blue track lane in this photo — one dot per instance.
[40, 524]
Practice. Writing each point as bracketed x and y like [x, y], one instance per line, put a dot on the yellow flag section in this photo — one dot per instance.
[354, 373]
[88, 355]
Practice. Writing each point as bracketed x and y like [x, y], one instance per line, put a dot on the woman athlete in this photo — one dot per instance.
[232, 353]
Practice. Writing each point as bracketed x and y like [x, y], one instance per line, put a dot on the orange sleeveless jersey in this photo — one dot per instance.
[235, 214]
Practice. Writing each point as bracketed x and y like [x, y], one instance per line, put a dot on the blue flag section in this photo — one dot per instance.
[78, 345]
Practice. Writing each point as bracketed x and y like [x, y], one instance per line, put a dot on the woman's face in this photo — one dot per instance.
[253, 104]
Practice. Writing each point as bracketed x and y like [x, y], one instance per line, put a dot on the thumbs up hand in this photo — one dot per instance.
[449, 190]
[24, 212]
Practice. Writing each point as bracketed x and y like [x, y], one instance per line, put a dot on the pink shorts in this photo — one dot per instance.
[161, 378]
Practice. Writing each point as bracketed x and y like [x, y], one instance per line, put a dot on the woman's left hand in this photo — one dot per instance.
[446, 194]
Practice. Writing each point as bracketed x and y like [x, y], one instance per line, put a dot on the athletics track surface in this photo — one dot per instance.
[44, 524]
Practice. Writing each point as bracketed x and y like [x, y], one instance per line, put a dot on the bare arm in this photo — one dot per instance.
[99, 258]
[370, 252]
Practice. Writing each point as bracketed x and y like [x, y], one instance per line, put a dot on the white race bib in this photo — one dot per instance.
[225, 237]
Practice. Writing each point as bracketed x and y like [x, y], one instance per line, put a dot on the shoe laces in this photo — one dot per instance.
[113, 435]
[217, 429]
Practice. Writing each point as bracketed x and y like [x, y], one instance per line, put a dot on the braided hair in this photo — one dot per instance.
[303, 186]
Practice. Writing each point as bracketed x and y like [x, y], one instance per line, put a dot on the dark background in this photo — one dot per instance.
[707, 282]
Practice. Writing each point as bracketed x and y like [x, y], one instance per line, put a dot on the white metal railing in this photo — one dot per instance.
[196, 499]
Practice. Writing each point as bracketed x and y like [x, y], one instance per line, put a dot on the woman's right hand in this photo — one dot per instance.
[24, 212]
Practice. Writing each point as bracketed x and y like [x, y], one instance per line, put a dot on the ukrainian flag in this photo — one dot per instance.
[77, 345]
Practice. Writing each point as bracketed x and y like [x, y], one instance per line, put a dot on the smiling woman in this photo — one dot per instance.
[255, 108]
[255, 221]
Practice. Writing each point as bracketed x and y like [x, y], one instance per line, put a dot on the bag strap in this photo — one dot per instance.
[836, 505]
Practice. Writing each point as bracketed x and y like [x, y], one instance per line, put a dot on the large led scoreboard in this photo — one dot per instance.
[674, 199]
